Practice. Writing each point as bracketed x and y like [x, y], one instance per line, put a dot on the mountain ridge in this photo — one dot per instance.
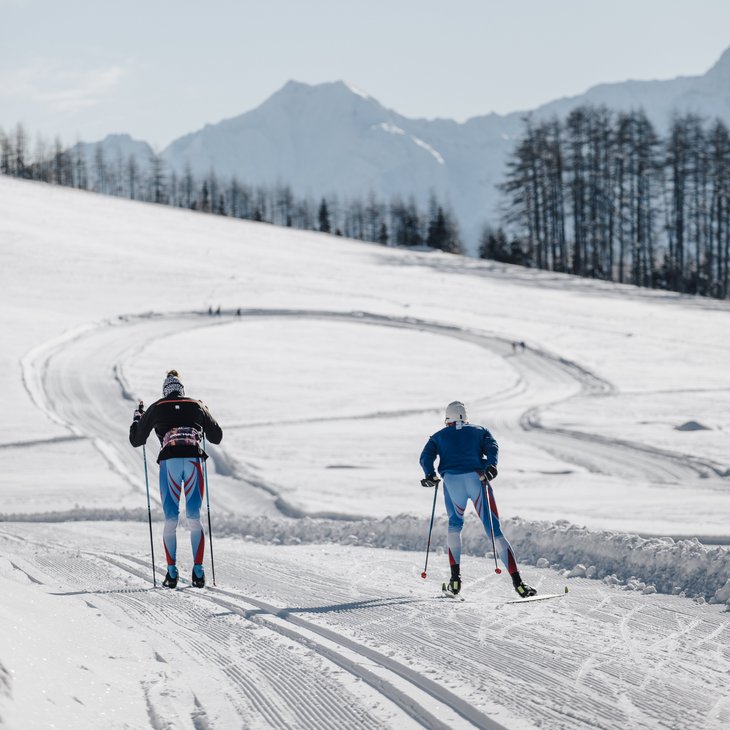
[335, 139]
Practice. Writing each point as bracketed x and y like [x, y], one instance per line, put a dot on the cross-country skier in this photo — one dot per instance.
[468, 462]
[179, 423]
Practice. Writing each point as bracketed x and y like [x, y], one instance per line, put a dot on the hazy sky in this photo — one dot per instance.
[161, 68]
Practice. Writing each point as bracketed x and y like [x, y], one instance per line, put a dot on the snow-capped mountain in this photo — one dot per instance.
[334, 139]
[117, 149]
[707, 95]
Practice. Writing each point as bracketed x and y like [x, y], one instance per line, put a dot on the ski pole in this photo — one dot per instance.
[486, 487]
[428, 546]
[149, 511]
[207, 503]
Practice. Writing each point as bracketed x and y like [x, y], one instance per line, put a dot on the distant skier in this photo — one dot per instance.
[179, 423]
[468, 462]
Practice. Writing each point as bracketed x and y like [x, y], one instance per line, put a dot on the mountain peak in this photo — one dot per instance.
[722, 66]
[299, 88]
[326, 98]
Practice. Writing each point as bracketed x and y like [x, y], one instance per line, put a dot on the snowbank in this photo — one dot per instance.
[682, 566]
[663, 564]
[647, 564]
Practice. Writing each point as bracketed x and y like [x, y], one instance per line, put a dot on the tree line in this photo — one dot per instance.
[397, 221]
[603, 195]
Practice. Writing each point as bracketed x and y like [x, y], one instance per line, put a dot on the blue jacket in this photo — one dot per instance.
[460, 450]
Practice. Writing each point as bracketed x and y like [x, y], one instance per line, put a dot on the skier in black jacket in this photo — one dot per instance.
[180, 424]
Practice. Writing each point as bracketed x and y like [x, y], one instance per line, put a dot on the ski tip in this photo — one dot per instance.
[566, 589]
[443, 586]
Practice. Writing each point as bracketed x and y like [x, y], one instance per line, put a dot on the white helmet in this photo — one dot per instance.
[456, 412]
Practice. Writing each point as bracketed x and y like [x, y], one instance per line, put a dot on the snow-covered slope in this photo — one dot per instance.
[328, 367]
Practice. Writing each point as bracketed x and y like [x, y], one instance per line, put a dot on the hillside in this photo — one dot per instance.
[328, 367]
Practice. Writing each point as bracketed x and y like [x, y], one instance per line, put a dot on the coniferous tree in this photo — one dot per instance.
[382, 236]
[719, 249]
[62, 168]
[133, 177]
[205, 197]
[323, 217]
[6, 154]
[493, 245]
[442, 231]
[81, 179]
[100, 171]
[20, 153]
[157, 179]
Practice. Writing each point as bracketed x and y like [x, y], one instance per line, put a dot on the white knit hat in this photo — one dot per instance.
[456, 412]
[172, 384]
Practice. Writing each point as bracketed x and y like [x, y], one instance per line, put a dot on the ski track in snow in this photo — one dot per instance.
[372, 656]
[265, 681]
[282, 657]
[87, 399]
[79, 379]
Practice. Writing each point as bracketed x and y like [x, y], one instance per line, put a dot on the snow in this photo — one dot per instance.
[356, 90]
[327, 385]
[438, 157]
[389, 128]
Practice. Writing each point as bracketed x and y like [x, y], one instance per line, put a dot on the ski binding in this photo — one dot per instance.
[446, 593]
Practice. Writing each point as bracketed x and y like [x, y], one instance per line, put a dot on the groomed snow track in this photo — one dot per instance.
[266, 683]
[383, 659]
[78, 380]
[290, 644]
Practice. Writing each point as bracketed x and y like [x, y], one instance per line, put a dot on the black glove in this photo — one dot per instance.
[491, 472]
[430, 481]
[139, 412]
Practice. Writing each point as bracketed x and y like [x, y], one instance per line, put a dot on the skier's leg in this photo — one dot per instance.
[504, 549]
[455, 501]
[170, 498]
[194, 486]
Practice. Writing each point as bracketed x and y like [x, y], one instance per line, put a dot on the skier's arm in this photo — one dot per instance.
[490, 449]
[428, 457]
[213, 432]
[140, 430]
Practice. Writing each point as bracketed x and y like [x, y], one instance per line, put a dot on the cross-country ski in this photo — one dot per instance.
[543, 597]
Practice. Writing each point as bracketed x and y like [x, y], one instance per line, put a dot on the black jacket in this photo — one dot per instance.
[179, 421]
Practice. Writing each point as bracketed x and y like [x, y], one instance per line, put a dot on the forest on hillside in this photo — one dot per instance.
[603, 195]
[599, 194]
[396, 221]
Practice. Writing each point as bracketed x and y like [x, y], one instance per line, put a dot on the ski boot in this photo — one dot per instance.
[171, 577]
[198, 579]
[454, 585]
[523, 590]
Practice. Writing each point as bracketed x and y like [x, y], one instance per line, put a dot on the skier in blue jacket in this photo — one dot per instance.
[467, 456]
